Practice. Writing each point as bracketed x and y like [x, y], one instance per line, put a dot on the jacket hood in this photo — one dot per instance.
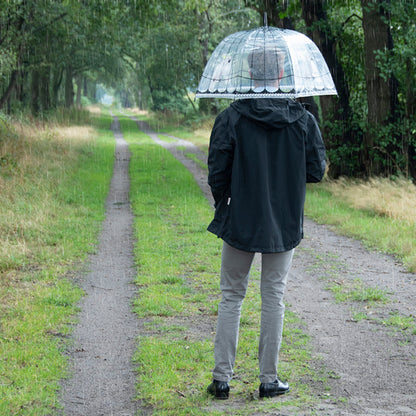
[272, 112]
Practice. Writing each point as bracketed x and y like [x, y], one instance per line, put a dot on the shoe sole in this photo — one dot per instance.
[269, 396]
[218, 396]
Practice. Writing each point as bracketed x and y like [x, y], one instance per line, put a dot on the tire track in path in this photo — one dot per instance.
[103, 378]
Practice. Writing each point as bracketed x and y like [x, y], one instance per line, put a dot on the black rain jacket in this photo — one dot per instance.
[262, 152]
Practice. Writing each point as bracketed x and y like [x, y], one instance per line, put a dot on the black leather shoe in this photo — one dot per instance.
[273, 389]
[219, 389]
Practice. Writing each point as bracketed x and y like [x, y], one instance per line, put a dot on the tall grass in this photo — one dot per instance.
[53, 182]
[395, 199]
[379, 212]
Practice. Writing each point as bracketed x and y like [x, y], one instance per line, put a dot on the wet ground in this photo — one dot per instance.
[103, 381]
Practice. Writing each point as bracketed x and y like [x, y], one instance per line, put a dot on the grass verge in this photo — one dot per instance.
[53, 181]
[389, 228]
[178, 264]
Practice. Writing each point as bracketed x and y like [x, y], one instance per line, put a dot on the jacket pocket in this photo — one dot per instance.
[222, 212]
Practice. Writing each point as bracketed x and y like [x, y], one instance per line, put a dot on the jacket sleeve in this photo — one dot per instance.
[315, 152]
[220, 157]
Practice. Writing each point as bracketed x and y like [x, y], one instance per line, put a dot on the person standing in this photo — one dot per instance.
[262, 153]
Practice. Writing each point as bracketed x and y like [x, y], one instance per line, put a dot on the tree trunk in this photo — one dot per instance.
[19, 22]
[44, 94]
[410, 111]
[69, 87]
[334, 109]
[79, 90]
[206, 105]
[380, 92]
[85, 87]
[12, 83]
[93, 92]
[56, 83]
[139, 99]
[272, 8]
[34, 93]
[20, 91]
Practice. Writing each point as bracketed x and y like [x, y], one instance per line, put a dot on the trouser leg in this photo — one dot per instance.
[235, 268]
[275, 269]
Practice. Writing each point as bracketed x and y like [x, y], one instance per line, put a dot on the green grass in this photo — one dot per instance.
[197, 131]
[401, 322]
[357, 291]
[376, 230]
[52, 204]
[202, 165]
[178, 278]
[166, 139]
[391, 234]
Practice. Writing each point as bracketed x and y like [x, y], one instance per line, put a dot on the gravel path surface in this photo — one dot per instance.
[373, 365]
[103, 381]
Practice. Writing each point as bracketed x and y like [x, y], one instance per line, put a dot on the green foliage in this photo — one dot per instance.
[358, 292]
[7, 62]
[393, 142]
[345, 20]
[393, 149]
[345, 154]
[170, 100]
[172, 48]
[400, 61]
[46, 39]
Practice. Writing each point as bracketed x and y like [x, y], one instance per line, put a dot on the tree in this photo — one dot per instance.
[399, 141]
[339, 131]
[381, 90]
[174, 49]
[12, 28]
[47, 44]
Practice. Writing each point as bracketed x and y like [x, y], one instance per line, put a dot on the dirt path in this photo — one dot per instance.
[373, 365]
[103, 381]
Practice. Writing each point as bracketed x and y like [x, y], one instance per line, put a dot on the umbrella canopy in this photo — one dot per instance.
[266, 62]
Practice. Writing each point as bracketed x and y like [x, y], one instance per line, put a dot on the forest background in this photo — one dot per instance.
[151, 54]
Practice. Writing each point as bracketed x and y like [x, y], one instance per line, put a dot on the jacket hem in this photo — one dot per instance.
[263, 250]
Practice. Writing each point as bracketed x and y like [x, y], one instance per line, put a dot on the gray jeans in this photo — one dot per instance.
[235, 269]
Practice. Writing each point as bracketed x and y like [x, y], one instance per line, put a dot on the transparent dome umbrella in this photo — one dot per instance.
[266, 62]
